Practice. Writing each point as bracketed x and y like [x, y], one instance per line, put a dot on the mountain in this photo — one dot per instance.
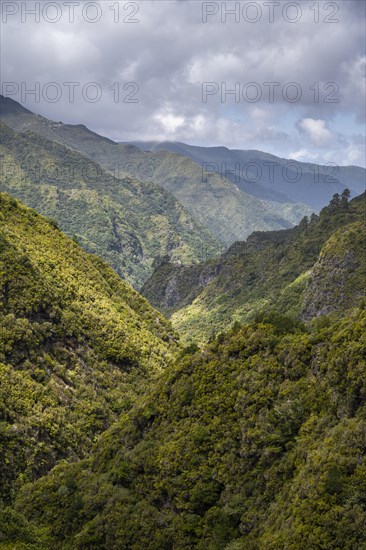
[269, 177]
[126, 222]
[77, 345]
[115, 436]
[227, 212]
[305, 271]
[254, 442]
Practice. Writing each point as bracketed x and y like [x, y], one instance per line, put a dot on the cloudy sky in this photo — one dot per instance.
[284, 77]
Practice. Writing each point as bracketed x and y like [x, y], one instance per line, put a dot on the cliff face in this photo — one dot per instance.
[173, 286]
[337, 279]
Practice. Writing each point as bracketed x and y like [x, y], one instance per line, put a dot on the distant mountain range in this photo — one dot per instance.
[245, 429]
[123, 220]
[132, 207]
[269, 177]
[227, 211]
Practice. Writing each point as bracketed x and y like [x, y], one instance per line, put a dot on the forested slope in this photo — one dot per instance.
[126, 222]
[315, 268]
[255, 442]
[77, 345]
[226, 211]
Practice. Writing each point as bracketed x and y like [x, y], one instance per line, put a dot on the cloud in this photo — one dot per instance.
[354, 85]
[169, 121]
[317, 131]
[169, 52]
[304, 155]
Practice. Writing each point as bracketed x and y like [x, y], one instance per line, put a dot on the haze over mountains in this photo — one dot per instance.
[226, 211]
[196, 210]
[125, 221]
[269, 177]
[182, 300]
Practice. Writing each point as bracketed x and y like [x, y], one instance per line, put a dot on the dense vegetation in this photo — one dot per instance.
[228, 212]
[76, 346]
[114, 437]
[315, 268]
[123, 220]
[255, 442]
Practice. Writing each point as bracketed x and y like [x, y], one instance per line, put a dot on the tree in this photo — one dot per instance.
[336, 200]
[345, 197]
[304, 224]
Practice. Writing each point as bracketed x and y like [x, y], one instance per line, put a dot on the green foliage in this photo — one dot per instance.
[281, 323]
[228, 213]
[77, 345]
[313, 269]
[337, 279]
[125, 221]
[257, 441]
[223, 211]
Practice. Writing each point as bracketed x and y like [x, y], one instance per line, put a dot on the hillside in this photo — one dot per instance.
[222, 207]
[312, 269]
[113, 435]
[269, 177]
[126, 222]
[255, 442]
[228, 212]
[76, 346]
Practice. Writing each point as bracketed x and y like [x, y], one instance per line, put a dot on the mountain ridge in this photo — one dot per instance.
[314, 187]
[116, 218]
[114, 436]
[227, 223]
[268, 270]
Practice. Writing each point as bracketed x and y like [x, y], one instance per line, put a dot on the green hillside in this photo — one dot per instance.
[227, 212]
[312, 269]
[113, 436]
[76, 346]
[255, 442]
[124, 221]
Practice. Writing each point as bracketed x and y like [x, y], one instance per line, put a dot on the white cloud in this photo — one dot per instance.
[304, 155]
[317, 131]
[169, 121]
[170, 52]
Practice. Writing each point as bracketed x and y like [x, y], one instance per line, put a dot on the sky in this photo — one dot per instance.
[287, 78]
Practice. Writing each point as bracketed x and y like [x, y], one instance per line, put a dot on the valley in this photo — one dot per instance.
[182, 356]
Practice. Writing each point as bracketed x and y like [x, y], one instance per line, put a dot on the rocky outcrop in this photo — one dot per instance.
[337, 278]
